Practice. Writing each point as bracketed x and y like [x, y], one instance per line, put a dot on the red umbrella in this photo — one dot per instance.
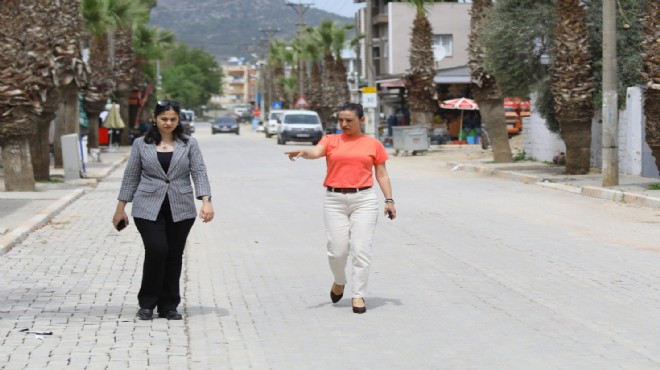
[462, 104]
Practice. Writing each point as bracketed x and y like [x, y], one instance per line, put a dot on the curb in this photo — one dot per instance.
[8, 241]
[589, 191]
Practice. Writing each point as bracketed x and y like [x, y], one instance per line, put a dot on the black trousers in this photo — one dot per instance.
[164, 241]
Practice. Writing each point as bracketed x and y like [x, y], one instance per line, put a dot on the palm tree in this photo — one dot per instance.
[651, 75]
[70, 72]
[331, 38]
[339, 42]
[42, 59]
[485, 88]
[98, 22]
[572, 84]
[312, 53]
[276, 63]
[124, 57]
[421, 90]
[25, 66]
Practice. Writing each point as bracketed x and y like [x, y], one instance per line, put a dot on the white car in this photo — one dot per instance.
[270, 126]
[299, 125]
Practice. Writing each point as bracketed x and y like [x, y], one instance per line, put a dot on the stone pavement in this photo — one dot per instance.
[82, 286]
[23, 212]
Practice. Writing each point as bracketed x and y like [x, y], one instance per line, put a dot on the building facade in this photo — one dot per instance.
[391, 33]
[240, 84]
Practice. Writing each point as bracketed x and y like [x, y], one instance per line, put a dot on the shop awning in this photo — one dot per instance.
[394, 82]
[454, 75]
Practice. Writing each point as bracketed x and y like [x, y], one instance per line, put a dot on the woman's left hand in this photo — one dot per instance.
[389, 207]
[206, 213]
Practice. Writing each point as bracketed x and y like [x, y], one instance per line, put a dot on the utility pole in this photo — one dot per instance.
[372, 127]
[300, 8]
[610, 97]
[269, 32]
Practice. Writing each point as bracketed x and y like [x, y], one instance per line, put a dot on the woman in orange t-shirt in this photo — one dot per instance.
[351, 204]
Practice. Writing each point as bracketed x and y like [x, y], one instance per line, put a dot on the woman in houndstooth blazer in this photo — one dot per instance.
[157, 182]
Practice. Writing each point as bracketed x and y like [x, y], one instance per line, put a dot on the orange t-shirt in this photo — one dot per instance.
[351, 160]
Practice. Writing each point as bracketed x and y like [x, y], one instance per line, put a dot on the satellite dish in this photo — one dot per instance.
[439, 53]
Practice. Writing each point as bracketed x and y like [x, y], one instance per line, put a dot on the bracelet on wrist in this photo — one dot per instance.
[389, 200]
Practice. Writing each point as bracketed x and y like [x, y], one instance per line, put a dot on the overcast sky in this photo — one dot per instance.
[342, 7]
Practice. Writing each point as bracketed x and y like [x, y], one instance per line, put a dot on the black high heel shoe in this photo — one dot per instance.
[336, 297]
[362, 309]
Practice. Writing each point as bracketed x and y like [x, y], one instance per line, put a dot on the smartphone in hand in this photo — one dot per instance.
[389, 214]
[121, 225]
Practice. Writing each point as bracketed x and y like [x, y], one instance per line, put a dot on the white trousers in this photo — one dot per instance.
[350, 223]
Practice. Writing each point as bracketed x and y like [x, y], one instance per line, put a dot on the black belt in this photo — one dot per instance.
[347, 190]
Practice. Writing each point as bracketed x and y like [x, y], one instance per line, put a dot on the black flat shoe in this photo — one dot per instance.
[336, 297]
[170, 315]
[360, 309]
[145, 314]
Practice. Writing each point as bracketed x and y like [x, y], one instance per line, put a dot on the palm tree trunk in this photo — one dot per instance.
[492, 118]
[576, 134]
[67, 120]
[17, 164]
[40, 149]
[123, 97]
[40, 144]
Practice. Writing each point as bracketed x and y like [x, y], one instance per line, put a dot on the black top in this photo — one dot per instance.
[165, 158]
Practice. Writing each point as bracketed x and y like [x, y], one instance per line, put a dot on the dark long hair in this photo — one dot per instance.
[152, 136]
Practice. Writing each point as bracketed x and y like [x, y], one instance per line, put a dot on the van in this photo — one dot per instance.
[299, 125]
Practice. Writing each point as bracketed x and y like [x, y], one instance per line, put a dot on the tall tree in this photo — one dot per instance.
[485, 88]
[572, 84]
[70, 71]
[421, 90]
[98, 23]
[312, 52]
[276, 64]
[18, 101]
[134, 12]
[651, 75]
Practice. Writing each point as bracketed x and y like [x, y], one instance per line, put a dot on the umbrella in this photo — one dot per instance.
[462, 104]
[113, 121]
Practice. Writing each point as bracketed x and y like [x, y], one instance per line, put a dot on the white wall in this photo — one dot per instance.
[543, 145]
[445, 18]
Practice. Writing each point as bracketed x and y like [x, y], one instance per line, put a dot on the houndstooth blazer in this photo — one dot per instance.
[145, 183]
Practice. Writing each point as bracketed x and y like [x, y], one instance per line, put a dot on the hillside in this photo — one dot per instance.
[226, 28]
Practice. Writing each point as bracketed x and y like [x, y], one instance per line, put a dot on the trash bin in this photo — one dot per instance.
[410, 139]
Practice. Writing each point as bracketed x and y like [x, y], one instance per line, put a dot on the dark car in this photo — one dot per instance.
[225, 124]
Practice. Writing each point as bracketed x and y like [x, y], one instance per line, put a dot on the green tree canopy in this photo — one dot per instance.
[191, 76]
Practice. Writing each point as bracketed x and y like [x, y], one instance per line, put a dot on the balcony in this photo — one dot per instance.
[379, 19]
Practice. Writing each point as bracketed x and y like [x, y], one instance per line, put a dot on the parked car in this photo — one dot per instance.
[299, 125]
[244, 114]
[190, 119]
[270, 127]
[225, 124]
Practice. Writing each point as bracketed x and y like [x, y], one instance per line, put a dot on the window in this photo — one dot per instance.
[443, 45]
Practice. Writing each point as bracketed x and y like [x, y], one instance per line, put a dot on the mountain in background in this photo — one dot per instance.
[226, 28]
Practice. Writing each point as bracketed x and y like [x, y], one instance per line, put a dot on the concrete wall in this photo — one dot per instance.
[634, 153]
[445, 18]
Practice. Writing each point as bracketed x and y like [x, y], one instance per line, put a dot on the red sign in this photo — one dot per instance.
[301, 102]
